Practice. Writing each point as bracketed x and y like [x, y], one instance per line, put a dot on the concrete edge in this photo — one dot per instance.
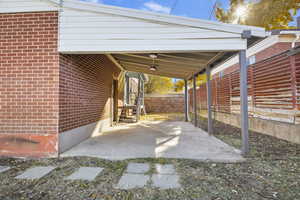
[224, 161]
[70, 138]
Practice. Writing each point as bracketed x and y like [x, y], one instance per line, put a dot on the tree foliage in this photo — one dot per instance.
[158, 84]
[179, 85]
[270, 14]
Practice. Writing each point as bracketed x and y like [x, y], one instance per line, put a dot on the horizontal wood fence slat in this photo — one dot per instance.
[273, 84]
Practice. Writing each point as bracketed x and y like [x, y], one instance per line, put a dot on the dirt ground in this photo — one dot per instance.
[272, 171]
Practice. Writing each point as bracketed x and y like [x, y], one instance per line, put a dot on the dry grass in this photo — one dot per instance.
[272, 171]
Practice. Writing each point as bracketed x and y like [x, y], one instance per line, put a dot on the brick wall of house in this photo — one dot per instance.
[43, 92]
[164, 103]
[85, 90]
[273, 50]
[28, 84]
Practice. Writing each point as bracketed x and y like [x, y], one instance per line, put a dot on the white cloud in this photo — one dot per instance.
[152, 6]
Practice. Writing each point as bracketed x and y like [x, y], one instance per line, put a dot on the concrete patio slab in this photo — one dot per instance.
[165, 169]
[4, 168]
[165, 181]
[130, 181]
[36, 172]
[156, 139]
[85, 173]
[138, 168]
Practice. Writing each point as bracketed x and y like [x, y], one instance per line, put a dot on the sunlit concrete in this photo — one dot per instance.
[156, 139]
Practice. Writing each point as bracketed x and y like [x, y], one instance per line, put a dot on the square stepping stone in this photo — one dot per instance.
[36, 172]
[165, 169]
[138, 168]
[4, 168]
[164, 181]
[130, 181]
[85, 173]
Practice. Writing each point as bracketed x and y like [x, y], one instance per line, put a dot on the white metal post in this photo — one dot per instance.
[209, 111]
[244, 101]
[186, 100]
[195, 99]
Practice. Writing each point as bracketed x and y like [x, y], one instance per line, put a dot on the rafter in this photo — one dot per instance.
[158, 73]
[182, 58]
[160, 68]
[170, 67]
[172, 60]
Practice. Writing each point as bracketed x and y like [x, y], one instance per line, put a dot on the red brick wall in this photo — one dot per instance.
[85, 89]
[28, 84]
[164, 104]
[273, 50]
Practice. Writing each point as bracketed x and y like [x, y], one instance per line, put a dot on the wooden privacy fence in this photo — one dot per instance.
[273, 89]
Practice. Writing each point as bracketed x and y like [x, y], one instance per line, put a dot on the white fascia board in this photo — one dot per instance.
[143, 46]
[163, 18]
[264, 44]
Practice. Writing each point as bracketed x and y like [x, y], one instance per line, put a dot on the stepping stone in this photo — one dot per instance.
[138, 168]
[165, 169]
[164, 181]
[4, 168]
[85, 173]
[36, 172]
[130, 181]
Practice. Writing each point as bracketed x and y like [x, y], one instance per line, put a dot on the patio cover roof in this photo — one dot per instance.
[184, 45]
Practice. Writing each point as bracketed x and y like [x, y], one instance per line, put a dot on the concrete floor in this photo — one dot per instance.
[156, 139]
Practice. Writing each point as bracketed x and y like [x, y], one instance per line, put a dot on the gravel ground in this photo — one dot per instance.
[272, 171]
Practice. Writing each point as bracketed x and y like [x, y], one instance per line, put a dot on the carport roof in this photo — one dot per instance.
[184, 46]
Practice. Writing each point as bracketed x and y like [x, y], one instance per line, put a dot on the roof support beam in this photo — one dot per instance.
[148, 63]
[160, 67]
[172, 61]
[157, 73]
[111, 58]
[212, 60]
[181, 57]
[215, 58]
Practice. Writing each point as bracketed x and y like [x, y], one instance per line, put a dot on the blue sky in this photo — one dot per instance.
[190, 8]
